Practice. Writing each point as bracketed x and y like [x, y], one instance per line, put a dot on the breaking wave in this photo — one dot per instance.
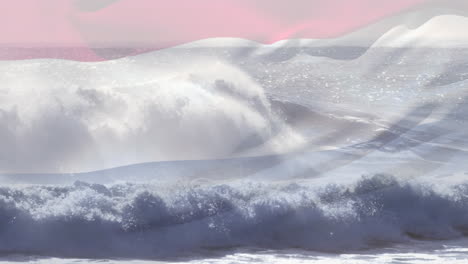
[163, 220]
[102, 115]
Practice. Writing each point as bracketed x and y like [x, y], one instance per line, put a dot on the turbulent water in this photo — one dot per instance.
[336, 155]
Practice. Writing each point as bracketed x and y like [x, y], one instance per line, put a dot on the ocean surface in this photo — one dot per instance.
[240, 155]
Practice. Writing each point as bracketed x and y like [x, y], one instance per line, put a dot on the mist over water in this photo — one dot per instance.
[95, 116]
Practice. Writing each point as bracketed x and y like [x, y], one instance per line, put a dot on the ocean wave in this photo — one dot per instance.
[163, 220]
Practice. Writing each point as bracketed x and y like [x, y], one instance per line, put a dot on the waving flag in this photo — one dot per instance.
[234, 131]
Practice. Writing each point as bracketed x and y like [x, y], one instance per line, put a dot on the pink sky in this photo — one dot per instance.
[155, 24]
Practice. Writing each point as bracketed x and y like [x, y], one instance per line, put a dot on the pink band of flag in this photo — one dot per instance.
[68, 29]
